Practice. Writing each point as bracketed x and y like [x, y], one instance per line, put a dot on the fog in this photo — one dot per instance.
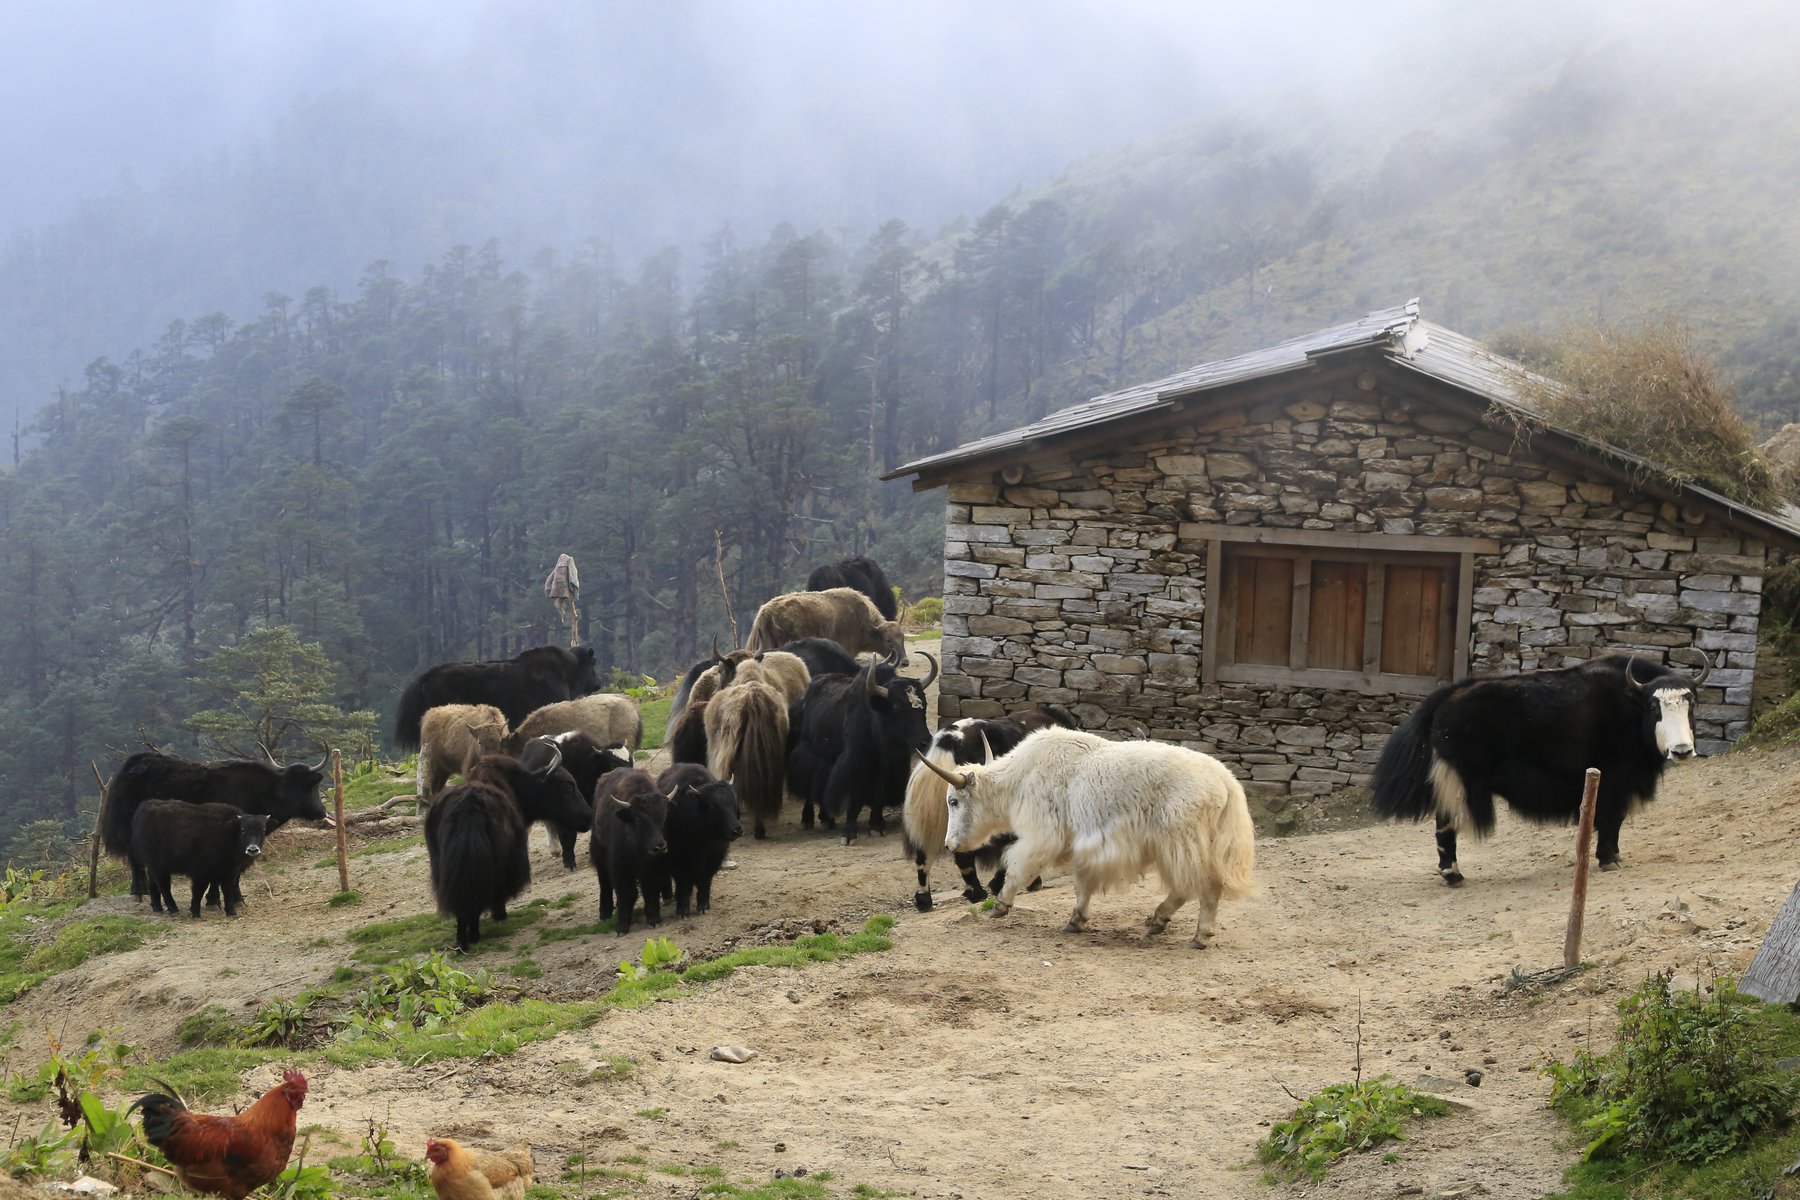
[169, 160]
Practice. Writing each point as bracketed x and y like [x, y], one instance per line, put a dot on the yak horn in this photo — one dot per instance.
[1706, 668]
[954, 780]
[931, 678]
[268, 756]
[867, 674]
[1629, 664]
[717, 657]
[322, 761]
[987, 749]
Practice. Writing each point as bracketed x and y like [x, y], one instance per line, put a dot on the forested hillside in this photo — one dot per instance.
[390, 470]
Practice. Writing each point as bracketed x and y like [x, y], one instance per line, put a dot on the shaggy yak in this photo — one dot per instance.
[475, 833]
[516, 686]
[844, 615]
[629, 848]
[1110, 810]
[862, 574]
[450, 735]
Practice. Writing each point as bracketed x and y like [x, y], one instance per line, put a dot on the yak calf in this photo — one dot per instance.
[209, 843]
[629, 847]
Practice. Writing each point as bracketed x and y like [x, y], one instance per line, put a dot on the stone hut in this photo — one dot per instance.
[1272, 558]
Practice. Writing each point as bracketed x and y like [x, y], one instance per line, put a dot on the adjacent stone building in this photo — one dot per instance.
[1272, 558]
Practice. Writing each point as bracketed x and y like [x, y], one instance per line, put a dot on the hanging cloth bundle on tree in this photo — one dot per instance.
[564, 581]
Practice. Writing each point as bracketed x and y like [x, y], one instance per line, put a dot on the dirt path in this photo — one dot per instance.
[987, 1058]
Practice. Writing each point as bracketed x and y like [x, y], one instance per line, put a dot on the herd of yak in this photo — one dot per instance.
[798, 711]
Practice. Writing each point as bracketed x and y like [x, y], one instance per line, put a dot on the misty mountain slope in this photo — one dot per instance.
[1578, 208]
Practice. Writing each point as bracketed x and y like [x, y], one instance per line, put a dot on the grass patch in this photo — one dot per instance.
[569, 932]
[526, 968]
[776, 1189]
[651, 1114]
[205, 1073]
[1340, 1118]
[365, 787]
[1779, 725]
[340, 899]
[211, 1026]
[656, 718]
[1689, 1102]
[497, 1029]
[385, 942]
[387, 845]
[79, 941]
[26, 960]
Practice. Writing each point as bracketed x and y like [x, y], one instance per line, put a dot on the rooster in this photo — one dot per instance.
[460, 1174]
[227, 1156]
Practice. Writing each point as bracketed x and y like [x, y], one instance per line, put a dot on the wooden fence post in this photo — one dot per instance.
[337, 776]
[1584, 843]
[99, 824]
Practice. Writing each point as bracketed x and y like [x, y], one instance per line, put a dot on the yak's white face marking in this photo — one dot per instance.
[957, 831]
[1674, 723]
[1452, 800]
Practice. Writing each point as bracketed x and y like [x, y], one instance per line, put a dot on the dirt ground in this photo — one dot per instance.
[984, 1058]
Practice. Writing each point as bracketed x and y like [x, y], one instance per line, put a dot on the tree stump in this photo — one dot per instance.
[1774, 974]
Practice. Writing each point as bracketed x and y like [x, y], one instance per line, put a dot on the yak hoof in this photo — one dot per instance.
[975, 893]
[922, 901]
[1155, 924]
[1452, 876]
[1035, 884]
[1075, 925]
[1197, 943]
[1611, 865]
[1000, 909]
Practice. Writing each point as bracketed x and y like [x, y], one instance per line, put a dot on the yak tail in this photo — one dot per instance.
[123, 795]
[925, 818]
[409, 714]
[1402, 781]
[478, 862]
[748, 745]
[1234, 843]
[687, 736]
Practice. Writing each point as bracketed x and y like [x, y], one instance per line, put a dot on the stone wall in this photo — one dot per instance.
[1085, 584]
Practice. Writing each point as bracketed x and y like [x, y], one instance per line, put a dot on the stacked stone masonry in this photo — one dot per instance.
[1077, 586]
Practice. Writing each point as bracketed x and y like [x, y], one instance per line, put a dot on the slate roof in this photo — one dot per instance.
[1404, 339]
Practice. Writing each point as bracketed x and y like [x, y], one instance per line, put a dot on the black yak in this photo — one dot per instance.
[212, 844]
[862, 574]
[516, 686]
[850, 743]
[1530, 739]
[587, 762]
[629, 848]
[475, 833]
[704, 819]
[281, 794]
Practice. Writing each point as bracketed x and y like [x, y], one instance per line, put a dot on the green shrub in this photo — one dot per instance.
[1689, 1078]
[1343, 1117]
[927, 612]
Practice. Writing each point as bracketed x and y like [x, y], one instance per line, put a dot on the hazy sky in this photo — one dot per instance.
[96, 91]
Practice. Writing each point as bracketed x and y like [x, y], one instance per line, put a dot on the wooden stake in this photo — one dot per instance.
[99, 821]
[337, 776]
[724, 592]
[1584, 843]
